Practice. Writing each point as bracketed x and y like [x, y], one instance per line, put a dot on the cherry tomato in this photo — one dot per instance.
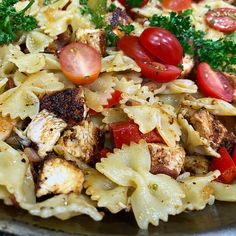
[80, 63]
[159, 72]
[152, 137]
[124, 3]
[177, 5]
[213, 84]
[131, 46]
[222, 19]
[162, 44]
[225, 165]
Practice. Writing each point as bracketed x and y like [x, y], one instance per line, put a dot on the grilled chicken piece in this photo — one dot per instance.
[95, 38]
[59, 176]
[45, 130]
[6, 127]
[213, 130]
[68, 105]
[166, 160]
[82, 141]
[196, 165]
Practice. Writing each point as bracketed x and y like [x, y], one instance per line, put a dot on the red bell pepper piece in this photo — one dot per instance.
[126, 132]
[104, 151]
[225, 165]
[114, 100]
[152, 137]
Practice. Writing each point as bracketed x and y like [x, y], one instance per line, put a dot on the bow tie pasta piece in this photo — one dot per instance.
[198, 190]
[118, 62]
[15, 166]
[126, 86]
[25, 97]
[97, 93]
[159, 117]
[28, 63]
[214, 106]
[5, 196]
[153, 197]
[6, 67]
[105, 192]
[37, 41]
[64, 207]
[177, 87]
[224, 192]
[192, 140]
[112, 115]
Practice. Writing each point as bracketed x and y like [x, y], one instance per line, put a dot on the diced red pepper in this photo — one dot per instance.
[91, 112]
[126, 132]
[104, 151]
[152, 137]
[114, 100]
[225, 165]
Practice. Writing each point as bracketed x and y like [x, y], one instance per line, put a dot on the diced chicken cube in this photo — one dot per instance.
[95, 38]
[82, 141]
[196, 165]
[6, 127]
[45, 130]
[166, 160]
[59, 176]
[68, 105]
[213, 130]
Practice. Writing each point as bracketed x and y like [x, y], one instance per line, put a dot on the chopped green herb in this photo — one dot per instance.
[11, 21]
[112, 7]
[127, 29]
[111, 37]
[133, 3]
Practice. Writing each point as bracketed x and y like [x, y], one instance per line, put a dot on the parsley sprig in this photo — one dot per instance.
[11, 21]
[220, 54]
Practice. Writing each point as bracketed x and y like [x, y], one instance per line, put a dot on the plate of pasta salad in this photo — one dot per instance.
[111, 107]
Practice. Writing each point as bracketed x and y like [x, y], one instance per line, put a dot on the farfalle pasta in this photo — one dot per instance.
[97, 119]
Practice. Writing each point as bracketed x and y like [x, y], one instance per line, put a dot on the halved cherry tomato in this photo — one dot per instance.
[126, 3]
[214, 84]
[80, 63]
[177, 5]
[222, 19]
[131, 46]
[114, 100]
[234, 155]
[159, 72]
[225, 165]
[162, 44]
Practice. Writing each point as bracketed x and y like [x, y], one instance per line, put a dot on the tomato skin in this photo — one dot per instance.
[159, 72]
[114, 100]
[234, 155]
[225, 165]
[162, 44]
[123, 2]
[80, 63]
[152, 137]
[131, 46]
[213, 84]
[177, 5]
[221, 20]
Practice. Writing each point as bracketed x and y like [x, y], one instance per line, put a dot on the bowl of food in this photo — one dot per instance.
[117, 117]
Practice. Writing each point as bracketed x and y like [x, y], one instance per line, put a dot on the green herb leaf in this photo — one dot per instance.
[133, 3]
[127, 29]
